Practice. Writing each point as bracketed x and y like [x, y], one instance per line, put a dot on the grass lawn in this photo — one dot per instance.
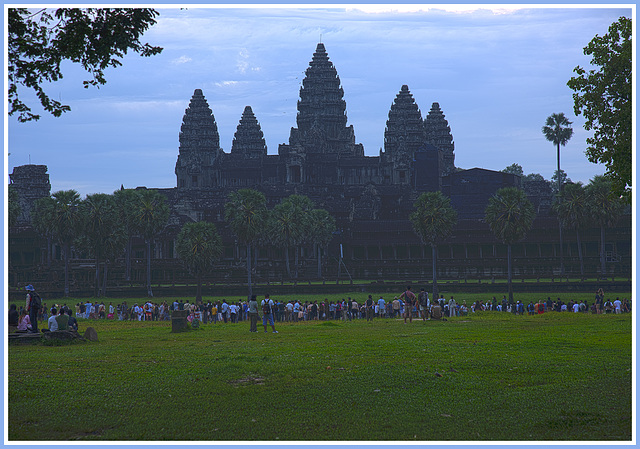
[487, 376]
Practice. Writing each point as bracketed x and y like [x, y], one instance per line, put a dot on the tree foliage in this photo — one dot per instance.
[96, 38]
[199, 245]
[433, 220]
[13, 206]
[604, 96]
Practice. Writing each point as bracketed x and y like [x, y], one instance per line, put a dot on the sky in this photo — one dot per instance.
[497, 73]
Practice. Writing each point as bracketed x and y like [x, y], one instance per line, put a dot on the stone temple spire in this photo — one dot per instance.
[322, 120]
[199, 144]
[248, 141]
[439, 135]
[404, 134]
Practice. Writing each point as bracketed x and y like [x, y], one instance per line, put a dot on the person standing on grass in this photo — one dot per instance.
[396, 307]
[452, 307]
[423, 304]
[224, 310]
[253, 314]
[267, 313]
[33, 305]
[368, 309]
[409, 298]
[381, 307]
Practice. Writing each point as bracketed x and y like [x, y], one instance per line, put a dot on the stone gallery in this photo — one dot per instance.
[370, 197]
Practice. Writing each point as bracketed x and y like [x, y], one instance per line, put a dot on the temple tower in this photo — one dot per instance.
[403, 136]
[439, 135]
[322, 120]
[199, 145]
[31, 182]
[248, 141]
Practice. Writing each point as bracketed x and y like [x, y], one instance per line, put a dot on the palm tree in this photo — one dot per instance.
[199, 245]
[558, 131]
[510, 215]
[572, 213]
[65, 220]
[604, 209]
[151, 216]
[284, 230]
[102, 232]
[302, 207]
[322, 227]
[433, 220]
[125, 206]
[246, 213]
[42, 221]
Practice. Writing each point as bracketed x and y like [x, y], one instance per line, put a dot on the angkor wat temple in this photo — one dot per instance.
[371, 197]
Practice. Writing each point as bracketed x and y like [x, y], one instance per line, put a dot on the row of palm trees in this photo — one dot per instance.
[510, 215]
[101, 226]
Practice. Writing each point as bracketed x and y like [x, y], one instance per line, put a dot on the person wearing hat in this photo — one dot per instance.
[33, 305]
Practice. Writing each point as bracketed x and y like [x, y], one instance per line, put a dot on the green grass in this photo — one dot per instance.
[556, 376]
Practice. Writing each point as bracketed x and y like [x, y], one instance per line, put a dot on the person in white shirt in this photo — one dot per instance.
[618, 305]
[53, 324]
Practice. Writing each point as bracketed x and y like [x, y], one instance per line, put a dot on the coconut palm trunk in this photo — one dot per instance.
[249, 280]
[579, 242]
[434, 256]
[67, 250]
[149, 292]
[104, 279]
[603, 268]
[319, 257]
[509, 274]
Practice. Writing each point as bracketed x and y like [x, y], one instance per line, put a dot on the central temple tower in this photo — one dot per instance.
[322, 121]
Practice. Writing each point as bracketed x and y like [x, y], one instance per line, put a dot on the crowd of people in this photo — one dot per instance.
[405, 306]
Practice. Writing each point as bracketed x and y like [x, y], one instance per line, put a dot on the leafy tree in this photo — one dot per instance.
[514, 169]
[604, 96]
[102, 233]
[246, 213]
[433, 220]
[151, 216]
[573, 214]
[605, 209]
[39, 43]
[558, 179]
[322, 227]
[510, 215]
[58, 216]
[13, 206]
[199, 245]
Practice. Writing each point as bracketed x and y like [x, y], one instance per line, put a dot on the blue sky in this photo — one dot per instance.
[496, 73]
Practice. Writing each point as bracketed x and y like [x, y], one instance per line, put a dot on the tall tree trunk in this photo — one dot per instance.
[199, 288]
[128, 260]
[435, 276]
[559, 223]
[249, 282]
[96, 290]
[67, 248]
[580, 254]
[319, 256]
[561, 251]
[296, 254]
[149, 292]
[49, 256]
[104, 279]
[286, 258]
[509, 273]
[603, 268]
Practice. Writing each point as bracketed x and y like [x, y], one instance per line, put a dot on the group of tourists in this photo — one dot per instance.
[405, 306]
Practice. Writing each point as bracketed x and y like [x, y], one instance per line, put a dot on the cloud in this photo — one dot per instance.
[181, 60]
